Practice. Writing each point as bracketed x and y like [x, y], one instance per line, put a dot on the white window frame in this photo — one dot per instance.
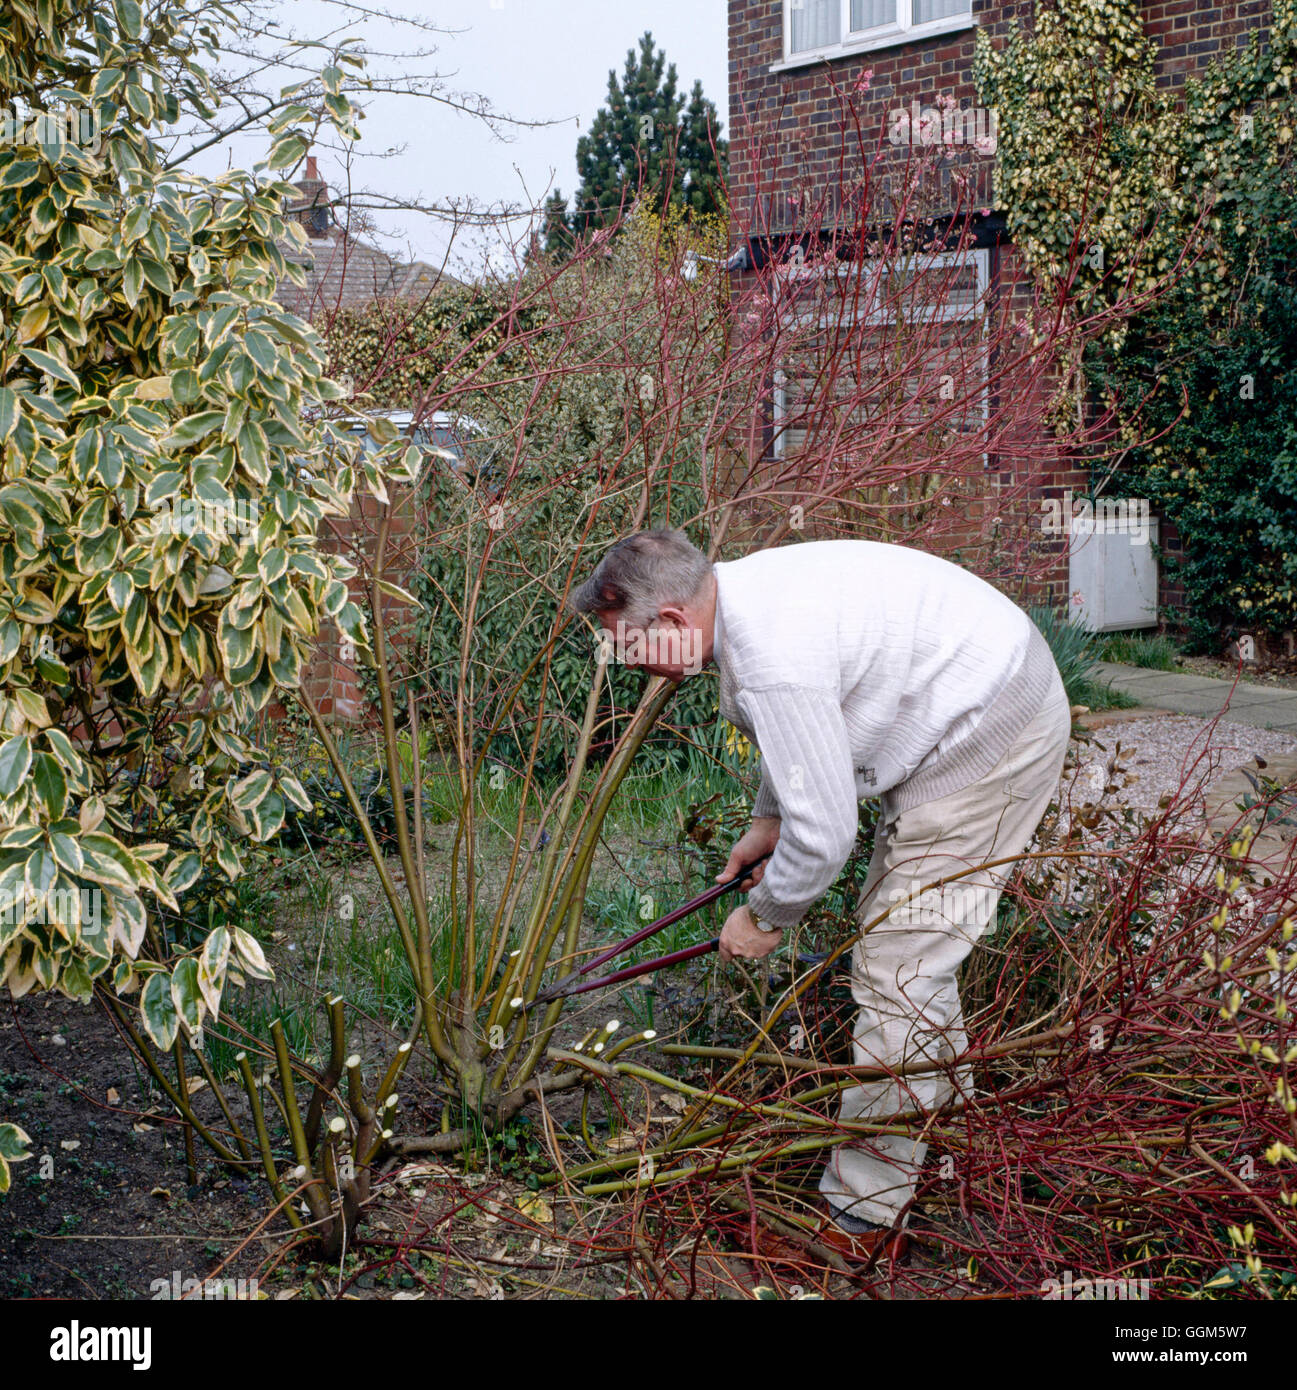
[904, 30]
[978, 256]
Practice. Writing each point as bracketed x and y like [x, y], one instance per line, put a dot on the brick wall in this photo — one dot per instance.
[786, 136]
[1190, 34]
[332, 676]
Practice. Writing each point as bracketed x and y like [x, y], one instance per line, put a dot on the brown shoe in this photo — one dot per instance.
[863, 1248]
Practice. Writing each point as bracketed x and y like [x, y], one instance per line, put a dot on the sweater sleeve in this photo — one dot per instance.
[806, 762]
[765, 803]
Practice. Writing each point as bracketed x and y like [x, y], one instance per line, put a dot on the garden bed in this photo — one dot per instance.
[120, 1213]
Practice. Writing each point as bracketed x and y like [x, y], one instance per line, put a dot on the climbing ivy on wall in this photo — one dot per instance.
[1088, 140]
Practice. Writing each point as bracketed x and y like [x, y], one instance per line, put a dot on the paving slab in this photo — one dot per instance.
[1263, 707]
[1270, 855]
[1143, 677]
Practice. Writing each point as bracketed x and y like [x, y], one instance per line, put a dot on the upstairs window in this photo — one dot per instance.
[832, 28]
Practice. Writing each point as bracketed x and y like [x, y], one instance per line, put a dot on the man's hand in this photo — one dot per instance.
[759, 840]
[741, 937]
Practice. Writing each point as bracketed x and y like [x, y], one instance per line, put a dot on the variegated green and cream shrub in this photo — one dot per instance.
[164, 469]
[14, 1148]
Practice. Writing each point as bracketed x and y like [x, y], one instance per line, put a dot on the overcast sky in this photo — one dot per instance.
[538, 60]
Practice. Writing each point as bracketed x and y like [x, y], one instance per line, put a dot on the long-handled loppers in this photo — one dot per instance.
[576, 983]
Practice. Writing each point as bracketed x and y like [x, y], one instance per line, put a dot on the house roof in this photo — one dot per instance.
[343, 271]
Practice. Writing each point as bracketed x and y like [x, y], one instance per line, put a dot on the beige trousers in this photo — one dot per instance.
[903, 971]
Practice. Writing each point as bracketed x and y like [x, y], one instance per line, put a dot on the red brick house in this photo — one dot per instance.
[789, 60]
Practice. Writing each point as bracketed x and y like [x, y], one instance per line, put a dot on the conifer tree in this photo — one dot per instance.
[646, 134]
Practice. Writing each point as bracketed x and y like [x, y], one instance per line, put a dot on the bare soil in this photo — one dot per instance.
[1276, 671]
[104, 1207]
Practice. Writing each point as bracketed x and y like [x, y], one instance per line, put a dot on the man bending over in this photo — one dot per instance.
[862, 670]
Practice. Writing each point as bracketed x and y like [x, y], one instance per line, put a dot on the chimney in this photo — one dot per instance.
[312, 209]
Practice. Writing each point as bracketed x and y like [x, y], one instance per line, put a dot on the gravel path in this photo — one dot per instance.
[1157, 752]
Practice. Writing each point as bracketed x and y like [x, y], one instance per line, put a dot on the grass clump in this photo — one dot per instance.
[1076, 651]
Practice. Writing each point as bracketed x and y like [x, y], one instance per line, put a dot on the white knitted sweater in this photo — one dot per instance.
[860, 669]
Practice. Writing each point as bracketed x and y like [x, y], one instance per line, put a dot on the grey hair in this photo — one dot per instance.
[643, 574]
